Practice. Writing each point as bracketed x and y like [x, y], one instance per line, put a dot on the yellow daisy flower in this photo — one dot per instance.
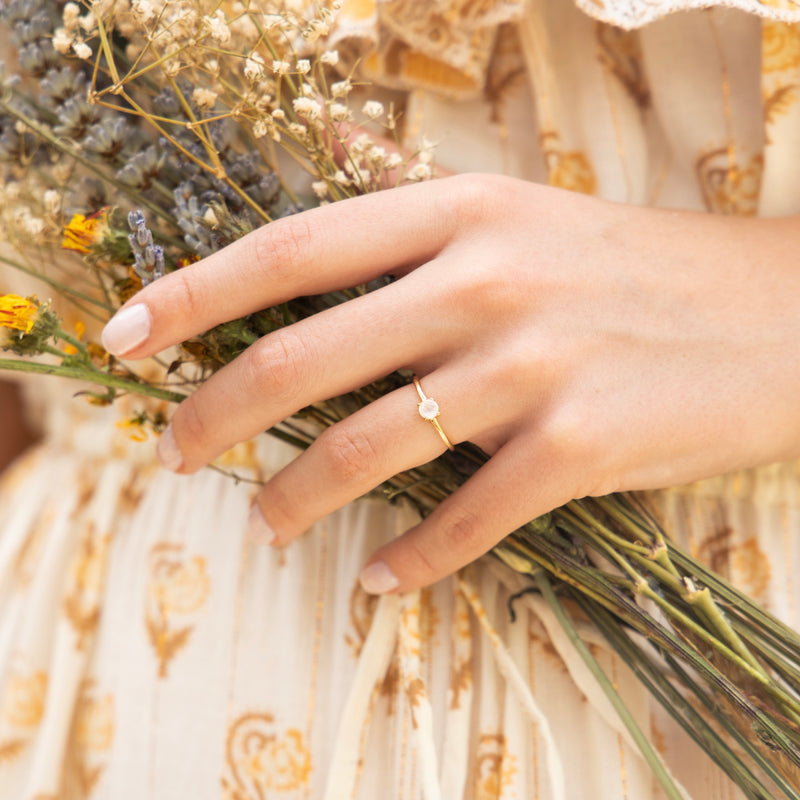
[17, 312]
[82, 232]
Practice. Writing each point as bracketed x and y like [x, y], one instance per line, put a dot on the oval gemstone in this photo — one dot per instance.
[429, 408]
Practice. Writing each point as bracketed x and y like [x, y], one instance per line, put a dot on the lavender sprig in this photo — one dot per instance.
[149, 257]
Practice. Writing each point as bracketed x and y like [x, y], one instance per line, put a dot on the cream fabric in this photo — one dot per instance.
[148, 650]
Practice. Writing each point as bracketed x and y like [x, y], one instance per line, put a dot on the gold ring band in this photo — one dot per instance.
[429, 410]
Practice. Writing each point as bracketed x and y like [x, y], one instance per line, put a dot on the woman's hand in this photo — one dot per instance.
[588, 347]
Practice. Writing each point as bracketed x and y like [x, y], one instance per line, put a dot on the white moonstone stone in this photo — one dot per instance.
[429, 408]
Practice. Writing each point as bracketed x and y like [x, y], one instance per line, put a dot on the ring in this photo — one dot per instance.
[429, 410]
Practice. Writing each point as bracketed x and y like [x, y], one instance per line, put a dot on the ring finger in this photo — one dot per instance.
[361, 452]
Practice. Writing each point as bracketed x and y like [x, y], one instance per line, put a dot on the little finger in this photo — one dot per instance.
[512, 488]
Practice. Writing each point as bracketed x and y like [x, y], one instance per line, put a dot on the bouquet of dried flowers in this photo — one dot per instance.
[139, 135]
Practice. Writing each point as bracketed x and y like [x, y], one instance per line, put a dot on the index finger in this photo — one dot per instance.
[332, 247]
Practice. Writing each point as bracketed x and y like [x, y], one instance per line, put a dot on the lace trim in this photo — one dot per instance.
[635, 13]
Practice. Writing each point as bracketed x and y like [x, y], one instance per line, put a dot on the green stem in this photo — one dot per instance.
[62, 287]
[651, 674]
[97, 377]
[703, 600]
[646, 749]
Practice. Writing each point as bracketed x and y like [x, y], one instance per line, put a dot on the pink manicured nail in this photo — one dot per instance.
[129, 328]
[377, 578]
[167, 451]
[257, 529]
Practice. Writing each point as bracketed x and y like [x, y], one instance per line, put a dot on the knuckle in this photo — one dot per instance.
[191, 303]
[425, 570]
[476, 194]
[462, 531]
[191, 426]
[574, 442]
[350, 453]
[483, 293]
[471, 193]
[567, 432]
[276, 365]
[285, 247]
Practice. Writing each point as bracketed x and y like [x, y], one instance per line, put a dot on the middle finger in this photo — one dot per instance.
[329, 354]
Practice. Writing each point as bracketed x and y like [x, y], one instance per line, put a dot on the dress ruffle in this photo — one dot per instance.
[636, 13]
[447, 46]
[439, 45]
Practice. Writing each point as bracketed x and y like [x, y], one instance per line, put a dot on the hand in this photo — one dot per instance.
[588, 347]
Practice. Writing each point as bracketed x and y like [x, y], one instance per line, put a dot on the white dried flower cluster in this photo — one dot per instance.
[52, 202]
[372, 109]
[72, 36]
[27, 223]
[204, 98]
[309, 109]
[422, 170]
[341, 89]
[143, 11]
[339, 113]
[253, 67]
[419, 172]
[218, 27]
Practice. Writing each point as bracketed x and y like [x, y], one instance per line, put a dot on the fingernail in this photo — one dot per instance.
[167, 451]
[377, 578]
[129, 328]
[257, 529]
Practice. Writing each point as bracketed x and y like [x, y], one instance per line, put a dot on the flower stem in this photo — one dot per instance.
[646, 749]
[97, 377]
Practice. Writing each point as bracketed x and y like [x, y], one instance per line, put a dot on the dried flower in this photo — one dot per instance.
[18, 313]
[339, 112]
[308, 108]
[204, 98]
[52, 201]
[82, 50]
[419, 172]
[82, 233]
[330, 57]
[253, 67]
[149, 258]
[393, 161]
[62, 41]
[341, 88]
[372, 109]
[218, 27]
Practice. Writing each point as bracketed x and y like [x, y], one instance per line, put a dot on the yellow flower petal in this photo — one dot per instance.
[83, 232]
[17, 312]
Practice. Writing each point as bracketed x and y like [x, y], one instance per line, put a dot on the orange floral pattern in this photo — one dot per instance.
[178, 586]
[495, 768]
[262, 759]
[84, 593]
